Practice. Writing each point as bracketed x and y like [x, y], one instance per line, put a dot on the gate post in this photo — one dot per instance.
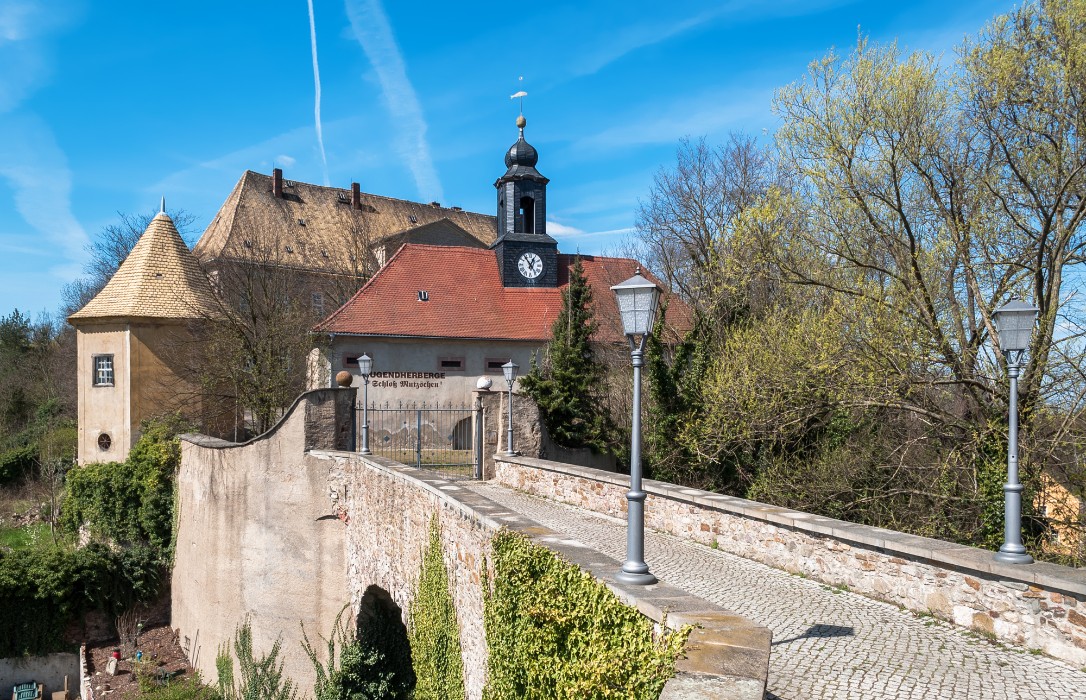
[477, 437]
[418, 438]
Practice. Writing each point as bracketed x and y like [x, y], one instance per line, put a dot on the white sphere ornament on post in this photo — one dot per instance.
[637, 299]
[365, 366]
[509, 369]
[1014, 321]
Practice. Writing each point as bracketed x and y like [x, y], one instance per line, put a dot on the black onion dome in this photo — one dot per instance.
[521, 157]
[521, 153]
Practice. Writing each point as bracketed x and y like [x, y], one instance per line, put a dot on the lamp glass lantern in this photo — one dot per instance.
[509, 369]
[365, 366]
[637, 299]
[1014, 321]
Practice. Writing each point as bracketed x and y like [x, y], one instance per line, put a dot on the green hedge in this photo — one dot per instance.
[553, 631]
[44, 590]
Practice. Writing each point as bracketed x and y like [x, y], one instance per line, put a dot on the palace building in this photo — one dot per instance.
[438, 319]
[438, 297]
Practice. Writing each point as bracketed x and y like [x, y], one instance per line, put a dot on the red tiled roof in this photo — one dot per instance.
[467, 299]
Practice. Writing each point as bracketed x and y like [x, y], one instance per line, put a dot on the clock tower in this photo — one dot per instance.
[527, 256]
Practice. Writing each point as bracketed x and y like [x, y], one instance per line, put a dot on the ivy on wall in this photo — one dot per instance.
[131, 502]
[433, 631]
[553, 631]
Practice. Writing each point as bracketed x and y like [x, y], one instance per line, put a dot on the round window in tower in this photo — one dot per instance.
[104, 442]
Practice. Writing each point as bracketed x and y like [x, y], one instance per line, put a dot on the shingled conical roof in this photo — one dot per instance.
[160, 278]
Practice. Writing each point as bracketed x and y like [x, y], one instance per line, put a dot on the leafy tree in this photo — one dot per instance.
[567, 384]
[854, 363]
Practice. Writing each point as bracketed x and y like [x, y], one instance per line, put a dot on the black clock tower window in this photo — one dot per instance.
[527, 215]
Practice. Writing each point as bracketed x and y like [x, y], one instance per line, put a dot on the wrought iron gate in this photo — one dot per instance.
[430, 437]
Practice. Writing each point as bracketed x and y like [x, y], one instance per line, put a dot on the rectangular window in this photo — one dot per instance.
[494, 366]
[316, 300]
[103, 370]
[450, 364]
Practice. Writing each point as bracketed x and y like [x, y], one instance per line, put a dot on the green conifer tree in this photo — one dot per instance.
[568, 384]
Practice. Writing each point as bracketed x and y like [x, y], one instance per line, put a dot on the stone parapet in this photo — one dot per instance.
[1039, 606]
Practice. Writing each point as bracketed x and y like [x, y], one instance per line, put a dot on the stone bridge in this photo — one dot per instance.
[291, 527]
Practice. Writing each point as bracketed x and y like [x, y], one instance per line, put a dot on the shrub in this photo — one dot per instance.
[553, 631]
[433, 630]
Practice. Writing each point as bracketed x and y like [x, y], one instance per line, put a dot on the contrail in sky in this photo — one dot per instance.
[372, 30]
[317, 96]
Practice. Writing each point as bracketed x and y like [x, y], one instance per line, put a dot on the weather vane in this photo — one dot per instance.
[519, 94]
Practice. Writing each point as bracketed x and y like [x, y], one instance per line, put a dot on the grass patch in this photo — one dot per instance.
[23, 537]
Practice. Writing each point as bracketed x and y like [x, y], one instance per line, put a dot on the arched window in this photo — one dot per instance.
[526, 216]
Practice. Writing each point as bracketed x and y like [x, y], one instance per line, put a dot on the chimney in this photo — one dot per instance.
[356, 196]
[277, 183]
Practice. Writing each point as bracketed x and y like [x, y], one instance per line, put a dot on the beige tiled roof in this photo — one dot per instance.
[160, 278]
[318, 224]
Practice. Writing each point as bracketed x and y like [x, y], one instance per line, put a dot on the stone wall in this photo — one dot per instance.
[256, 537]
[1039, 606]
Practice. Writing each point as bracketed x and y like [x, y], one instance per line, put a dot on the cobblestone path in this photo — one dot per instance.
[827, 643]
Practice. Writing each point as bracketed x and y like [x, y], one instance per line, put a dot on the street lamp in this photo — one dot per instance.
[1014, 321]
[509, 369]
[637, 298]
[365, 366]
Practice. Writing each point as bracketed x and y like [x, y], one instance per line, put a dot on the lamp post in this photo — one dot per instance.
[365, 366]
[637, 298]
[509, 369]
[1014, 322]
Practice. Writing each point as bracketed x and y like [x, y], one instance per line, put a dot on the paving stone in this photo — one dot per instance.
[828, 643]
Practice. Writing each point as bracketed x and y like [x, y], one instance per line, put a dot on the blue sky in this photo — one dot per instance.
[106, 106]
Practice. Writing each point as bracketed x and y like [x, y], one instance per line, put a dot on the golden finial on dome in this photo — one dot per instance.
[521, 122]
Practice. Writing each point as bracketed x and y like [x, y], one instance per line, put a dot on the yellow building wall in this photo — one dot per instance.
[150, 379]
[103, 409]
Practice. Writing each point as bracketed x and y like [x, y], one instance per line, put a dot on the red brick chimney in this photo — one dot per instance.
[277, 183]
[356, 196]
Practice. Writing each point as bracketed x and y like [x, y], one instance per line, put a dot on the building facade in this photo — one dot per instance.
[133, 339]
[437, 320]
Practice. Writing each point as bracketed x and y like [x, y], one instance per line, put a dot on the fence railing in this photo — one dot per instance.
[438, 438]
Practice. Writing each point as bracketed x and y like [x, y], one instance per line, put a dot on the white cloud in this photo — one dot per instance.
[30, 159]
[288, 162]
[374, 33]
[572, 232]
[37, 171]
[628, 39]
[317, 93]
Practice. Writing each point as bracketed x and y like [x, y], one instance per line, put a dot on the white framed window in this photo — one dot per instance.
[103, 370]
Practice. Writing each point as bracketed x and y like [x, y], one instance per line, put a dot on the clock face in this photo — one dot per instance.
[530, 265]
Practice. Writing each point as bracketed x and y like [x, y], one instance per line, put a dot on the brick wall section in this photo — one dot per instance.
[1039, 606]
